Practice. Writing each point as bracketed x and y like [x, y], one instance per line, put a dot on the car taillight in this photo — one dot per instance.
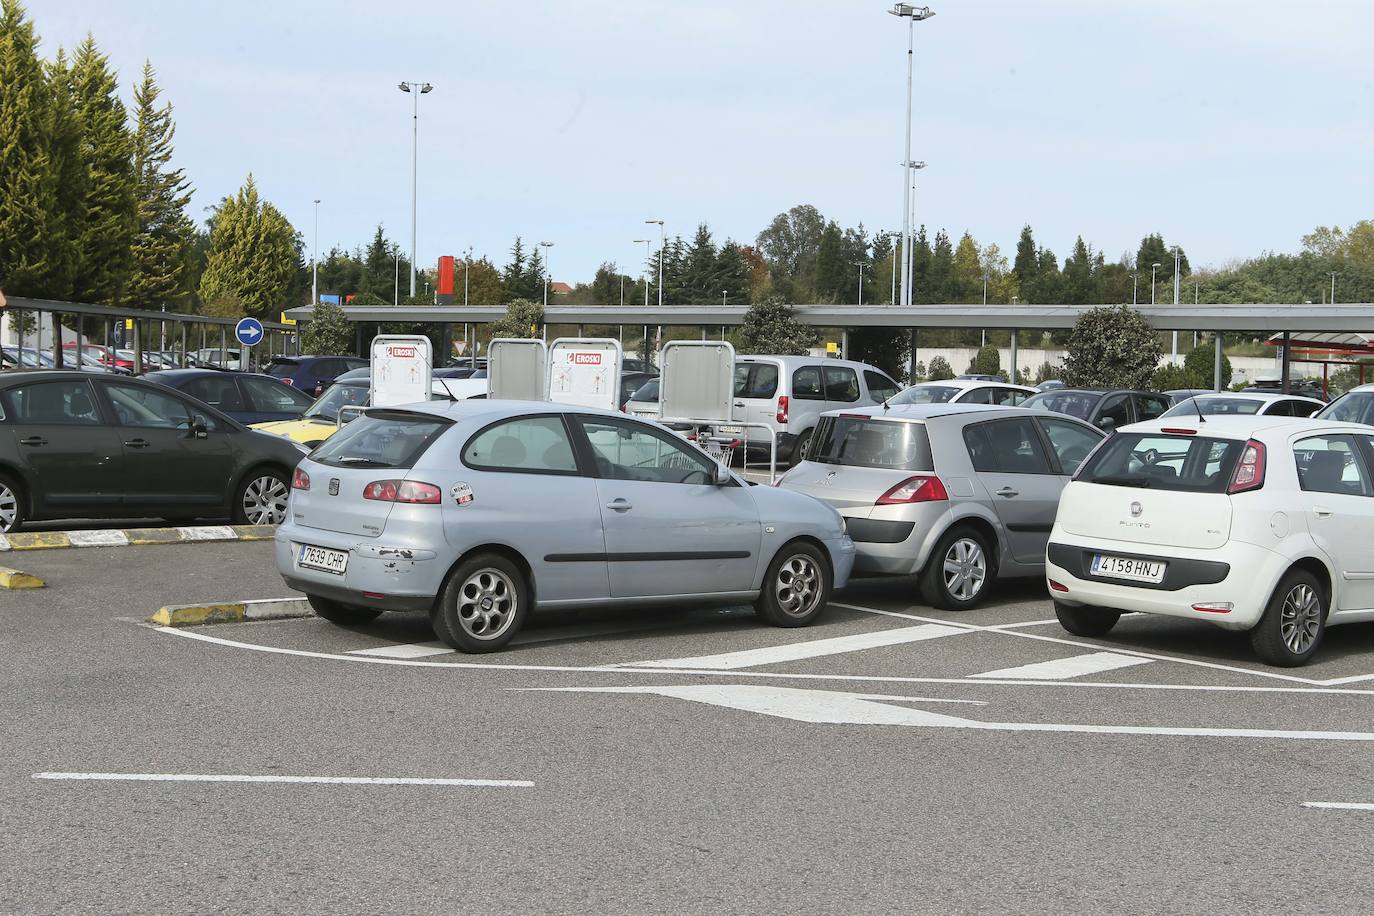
[782, 409]
[403, 491]
[1249, 473]
[300, 480]
[924, 489]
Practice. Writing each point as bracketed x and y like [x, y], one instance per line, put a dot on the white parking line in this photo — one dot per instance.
[1061, 669]
[325, 780]
[750, 658]
[1340, 806]
[406, 650]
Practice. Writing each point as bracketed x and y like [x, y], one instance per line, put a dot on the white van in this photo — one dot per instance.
[789, 393]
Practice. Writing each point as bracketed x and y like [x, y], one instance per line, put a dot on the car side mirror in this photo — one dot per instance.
[721, 476]
[1107, 423]
[199, 428]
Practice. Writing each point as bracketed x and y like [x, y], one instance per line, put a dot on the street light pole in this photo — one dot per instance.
[467, 269]
[1333, 287]
[416, 89]
[985, 302]
[644, 274]
[315, 260]
[547, 274]
[912, 14]
[1178, 257]
[908, 252]
[860, 265]
[662, 242]
[723, 294]
[894, 235]
[1153, 268]
[396, 293]
[1135, 279]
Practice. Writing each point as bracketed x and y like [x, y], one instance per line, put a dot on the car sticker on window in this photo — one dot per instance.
[461, 493]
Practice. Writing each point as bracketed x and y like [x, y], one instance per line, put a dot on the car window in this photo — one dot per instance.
[537, 444]
[631, 451]
[1007, 446]
[1008, 397]
[381, 439]
[1303, 408]
[274, 396]
[841, 384]
[1070, 442]
[647, 392]
[806, 384]
[1215, 404]
[925, 393]
[1329, 464]
[1162, 461]
[1150, 406]
[218, 391]
[55, 403]
[871, 442]
[1078, 404]
[1354, 407]
[879, 386]
[1117, 409]
[756, 380]
[977, 396]
[148, 409]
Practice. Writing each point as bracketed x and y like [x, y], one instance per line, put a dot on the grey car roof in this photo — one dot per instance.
[487, 409]
[934, 411]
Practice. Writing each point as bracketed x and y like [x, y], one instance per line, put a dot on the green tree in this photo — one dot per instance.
[68, 215]
[772, 327]
[939, 370]
[484, 284]
[1334, 243]
[160, 274]
[1199, 365]
[523, 319]
[1080, 275]
[987, 361]
[886, 348]
[28, 181]
[252, 257]
[1048, 287]
[1026, 265]
[108, 216]
[523, 275]
[1111, 348]
[732, 274]
[832, 277]
[329, 332]
[699, 268]
[1153, 251]
[791, 242]
[967, 283]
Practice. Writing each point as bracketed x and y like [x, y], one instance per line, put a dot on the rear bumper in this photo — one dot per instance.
[379, 574]
[897, 546]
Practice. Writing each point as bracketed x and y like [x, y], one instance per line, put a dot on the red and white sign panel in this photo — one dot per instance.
[585, 372]
[402, 369]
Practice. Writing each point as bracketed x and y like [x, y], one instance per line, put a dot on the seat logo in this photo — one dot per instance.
[1136, 510]
[333, 486]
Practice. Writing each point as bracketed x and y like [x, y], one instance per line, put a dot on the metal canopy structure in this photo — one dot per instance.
[1352, 318]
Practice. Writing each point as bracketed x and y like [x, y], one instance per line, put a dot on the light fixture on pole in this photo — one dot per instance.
[1153, 267]
[644, 274]
[467, 269]
[912, 14]
[723, 294]
[894, 235]
[315, 260]
[416, 89]
[861, 265]
[909, 169]
[662, 242]
[547, 275]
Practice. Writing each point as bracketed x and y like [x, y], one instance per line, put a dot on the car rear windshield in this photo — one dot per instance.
[867, 442]
[925, 394]
[756, 380]
[381, 439]
[1221, 406]
[647, 392]
[1159, 461]
[1355, 407]
[1078, 404]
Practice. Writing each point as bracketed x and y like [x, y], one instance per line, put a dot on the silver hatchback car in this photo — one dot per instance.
[956, 494]
[480, 512]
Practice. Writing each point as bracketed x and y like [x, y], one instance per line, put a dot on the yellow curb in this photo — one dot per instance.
[13, 578]
[153, 536]
[38, 540]
[192, 615]
[255, 532]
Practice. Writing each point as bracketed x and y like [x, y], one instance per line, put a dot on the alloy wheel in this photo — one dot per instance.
[965, 569]
[486, 604]
[264, 501]
[9, 508]
[798, 585]
[1300, 618]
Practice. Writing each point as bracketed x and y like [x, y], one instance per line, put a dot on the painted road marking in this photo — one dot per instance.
[1340, 806]
[766, 675]
[406, 650]
[770, 655]
[1061, 669]
[325, 780]
[208, 533]
[832, 708]
[103, 538]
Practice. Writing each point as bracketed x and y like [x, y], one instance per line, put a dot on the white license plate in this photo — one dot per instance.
[1127, 568]
[323, 559]
[730, 430]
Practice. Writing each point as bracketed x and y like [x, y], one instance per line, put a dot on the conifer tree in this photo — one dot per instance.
[27, 179]
[159, 272]
[252, 257]
[69, 175]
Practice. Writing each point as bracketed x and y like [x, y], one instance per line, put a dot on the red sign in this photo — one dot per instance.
[401, 352]
[586, 359]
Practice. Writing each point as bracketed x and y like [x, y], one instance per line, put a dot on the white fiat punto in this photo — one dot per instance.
[1253, 523]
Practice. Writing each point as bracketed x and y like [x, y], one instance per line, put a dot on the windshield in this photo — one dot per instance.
[1355, 407]
[385, 439]
[1078, 404]
[647, 392]
[924, 394]
[327, 407]
[871, 443]
[1158, 461]
[1209, 406]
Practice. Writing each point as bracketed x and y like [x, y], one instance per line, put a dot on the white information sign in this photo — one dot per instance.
[402, 369]
[585, 372]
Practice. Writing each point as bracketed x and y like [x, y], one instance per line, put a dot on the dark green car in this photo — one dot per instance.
[81, 445]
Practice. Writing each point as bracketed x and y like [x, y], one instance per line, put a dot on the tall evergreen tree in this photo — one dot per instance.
[1153, 251]
[160, 274]
[252, 257]
[732, 275]
[968, 271]
[831, 279]
[1082, 269]
[939, 285]
[108, 218]
[1026, 264]
[69, 173]
[27, 179]
[699, 268]
[1048, 288]
[920, 267]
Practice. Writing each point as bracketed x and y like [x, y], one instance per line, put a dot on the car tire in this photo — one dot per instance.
[796, 587]
[1294, 622]
[340, 613]
[483, 604]
[260, 498]
[962, 587]
[799, 448]
[11, 504]
[1085, 620]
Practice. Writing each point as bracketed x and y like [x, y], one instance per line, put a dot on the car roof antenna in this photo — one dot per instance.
[1198, 406]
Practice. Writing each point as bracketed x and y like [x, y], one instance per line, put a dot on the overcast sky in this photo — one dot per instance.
[1231, 126]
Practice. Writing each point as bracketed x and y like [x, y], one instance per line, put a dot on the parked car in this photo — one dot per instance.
[1355, 406]
[957, 495]
[1050, 385]
[1179, 395]
[1242, 403]
[789, 394]
[1105, 409]
[86, 445]
[644, 402]
[963, 391]
[978, 377]
[247, 397]
[323, 418]
[230, 358]
[312, 374]
[1255, 524]
[481, 512]
[630, 382]
[630, 364]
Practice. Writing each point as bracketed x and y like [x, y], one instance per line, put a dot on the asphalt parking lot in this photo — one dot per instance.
[889, 757]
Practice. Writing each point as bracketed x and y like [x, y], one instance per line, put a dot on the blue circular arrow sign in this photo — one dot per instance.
[248, 331]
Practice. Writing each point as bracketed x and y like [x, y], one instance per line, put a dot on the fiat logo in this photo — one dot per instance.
[1136, 510]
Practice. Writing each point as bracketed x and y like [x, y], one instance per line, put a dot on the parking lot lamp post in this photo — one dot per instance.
[1333, 287]
[546, 246]
[1178, 257]
[910, 169]
[723, 294]
[416, 90]
[644, 274]
[860, 265]
[912, 14]
[1153, 267]
[315, 259]
[467, 269]
[894, 235]
[1134, 279]
[396, 290]
[662, 242]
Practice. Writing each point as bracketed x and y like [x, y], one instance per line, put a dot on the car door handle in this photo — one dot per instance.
[1321, 512]
[33, 440]
[1007, 491]
[137, 443]
[619, 505]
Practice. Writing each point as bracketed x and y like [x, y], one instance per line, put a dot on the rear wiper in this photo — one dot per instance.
[1124, 480]
[362, 462]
